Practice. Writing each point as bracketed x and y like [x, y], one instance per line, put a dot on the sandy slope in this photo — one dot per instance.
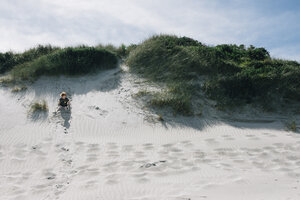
[105, 149]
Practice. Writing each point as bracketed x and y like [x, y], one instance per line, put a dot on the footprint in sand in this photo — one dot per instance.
[65, 149]
[293, 157]
[268, 148]
[240, 161]
[278, 144]
[187, 144]
[112, 146]
[211, 141]
[226, 136]
[272, 135]
[297, 163]
[79, 143]
[112, 179]
[264, 155]
[293, 174]
[139, 154]
[250, 135]
[92, 171]
[112, 154]
[93, 148]
[67, 161]
[229, 138]
[148, 146]
[198, 154]
[127, 148]
[153, 164]
[163, 153]
[49, 175]
[111, 164]
[168, 145]
[92, 157]
[91, 184]
[175, 150]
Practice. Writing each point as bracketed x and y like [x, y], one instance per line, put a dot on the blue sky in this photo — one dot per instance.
[264, 23]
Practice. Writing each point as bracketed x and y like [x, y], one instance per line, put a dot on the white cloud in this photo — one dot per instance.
[24, 24]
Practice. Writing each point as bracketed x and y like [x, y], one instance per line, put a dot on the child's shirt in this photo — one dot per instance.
[63, 102]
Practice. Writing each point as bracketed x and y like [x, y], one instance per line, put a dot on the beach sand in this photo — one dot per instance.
[107, 149]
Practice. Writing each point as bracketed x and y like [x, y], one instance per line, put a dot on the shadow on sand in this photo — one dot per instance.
[66, 117]
[38, 115]
[241, 120]
[108, 80]
[103, 81]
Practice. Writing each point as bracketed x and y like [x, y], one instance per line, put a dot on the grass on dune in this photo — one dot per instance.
[19, 89]
[68, 61]
[39, 106]
[50, 60]
[291, 126]
[121, 51]
[230, 74]
[186, 68]
[9, 59]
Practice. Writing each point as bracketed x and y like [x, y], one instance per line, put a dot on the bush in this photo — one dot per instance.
[68, 61]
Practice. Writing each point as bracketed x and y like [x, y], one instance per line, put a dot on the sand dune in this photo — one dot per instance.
[106, 148]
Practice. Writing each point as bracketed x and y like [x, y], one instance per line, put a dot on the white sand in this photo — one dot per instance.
[113, 153]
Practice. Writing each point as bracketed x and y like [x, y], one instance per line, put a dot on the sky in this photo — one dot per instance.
[273, 24]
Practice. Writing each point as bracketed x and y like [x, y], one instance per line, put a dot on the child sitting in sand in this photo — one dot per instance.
[64, 101]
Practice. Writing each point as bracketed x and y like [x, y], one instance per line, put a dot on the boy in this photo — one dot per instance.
[64, 101]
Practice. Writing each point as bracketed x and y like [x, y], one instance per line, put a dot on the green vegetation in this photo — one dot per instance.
[142, 93]
[291, 126]
[230, 74]
[176, 101]
[39, 106]
[9, 59]
[68, 61]
[160, 118]
[187, 70]
[6, 81]
[19, 89]
[121, 51]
